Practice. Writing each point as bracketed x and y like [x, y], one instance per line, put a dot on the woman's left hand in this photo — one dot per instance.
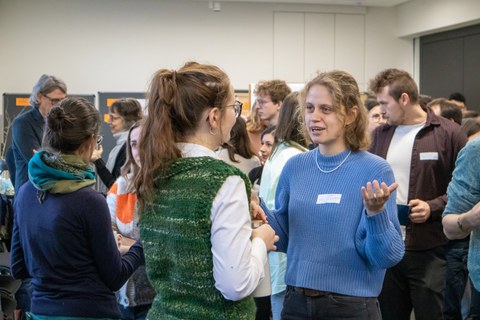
[375, 195]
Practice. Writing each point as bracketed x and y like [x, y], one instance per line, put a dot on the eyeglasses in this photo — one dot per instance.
[99, 140]
[261, 102]
[377, 117]
[53, 101]
[237, 107]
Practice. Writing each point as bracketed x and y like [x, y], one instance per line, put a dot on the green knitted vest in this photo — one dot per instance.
[175, 231]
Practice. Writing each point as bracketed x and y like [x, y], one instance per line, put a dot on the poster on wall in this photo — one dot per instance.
[15, 104]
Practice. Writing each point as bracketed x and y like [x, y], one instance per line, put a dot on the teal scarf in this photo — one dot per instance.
[59, 173]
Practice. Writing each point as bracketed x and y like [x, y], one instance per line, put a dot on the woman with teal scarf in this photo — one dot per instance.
[62, 236]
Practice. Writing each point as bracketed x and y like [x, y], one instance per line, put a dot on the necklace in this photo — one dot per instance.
[329, 171]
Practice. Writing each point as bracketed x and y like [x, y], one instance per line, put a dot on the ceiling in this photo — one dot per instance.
[366, 3]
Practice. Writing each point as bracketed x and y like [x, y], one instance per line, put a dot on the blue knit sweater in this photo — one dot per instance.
[334, 246]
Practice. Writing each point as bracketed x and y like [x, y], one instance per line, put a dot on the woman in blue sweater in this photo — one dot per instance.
[62, 234]
[335, 210]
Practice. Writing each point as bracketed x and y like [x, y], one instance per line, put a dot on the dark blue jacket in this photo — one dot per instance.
[27, 134]
[66, 245]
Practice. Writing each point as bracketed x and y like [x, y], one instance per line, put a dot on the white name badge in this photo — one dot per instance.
[428, 155]
[329, 198]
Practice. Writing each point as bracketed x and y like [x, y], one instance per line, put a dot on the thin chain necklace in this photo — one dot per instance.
[329, 171]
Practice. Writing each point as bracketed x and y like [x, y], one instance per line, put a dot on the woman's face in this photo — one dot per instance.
[325, 127]
[116, 122]
[134, 138]
[267, 145]
[229, 118]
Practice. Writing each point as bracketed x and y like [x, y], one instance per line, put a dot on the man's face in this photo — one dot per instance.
[47, 101]
[267, 110]
[392, 110]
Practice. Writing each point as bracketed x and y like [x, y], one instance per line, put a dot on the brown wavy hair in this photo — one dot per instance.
[398, 82]
[346, 95]
[176, 101]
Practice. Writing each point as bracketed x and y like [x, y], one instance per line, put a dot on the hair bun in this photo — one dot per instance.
[56, 119]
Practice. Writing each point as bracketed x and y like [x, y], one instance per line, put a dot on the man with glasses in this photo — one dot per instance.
[27, 134]
[270, 95]
[27, 130]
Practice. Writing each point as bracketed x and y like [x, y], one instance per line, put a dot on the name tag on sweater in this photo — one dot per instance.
[428, 155]
[329, 198]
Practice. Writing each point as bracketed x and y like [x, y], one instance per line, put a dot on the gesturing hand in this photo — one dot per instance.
[375, 195]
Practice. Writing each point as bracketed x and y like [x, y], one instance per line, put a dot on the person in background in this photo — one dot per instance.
[270, 95]
[27, 128]
[62, 234]
[123, 113]
[267, 139]
[340, 198]
[27, 134]
[136, 296]
[255, 127]
[375, 118]
[290, 140]
[460, 100]
[461, 217]
[456, 251]
[471, 127]
[449, 110]
[238, 151]
[194, 206]
[421, 148]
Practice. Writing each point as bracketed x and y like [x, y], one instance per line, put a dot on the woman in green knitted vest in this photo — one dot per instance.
[201, 254]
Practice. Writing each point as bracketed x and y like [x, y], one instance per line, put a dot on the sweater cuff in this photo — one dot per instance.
[377, 223]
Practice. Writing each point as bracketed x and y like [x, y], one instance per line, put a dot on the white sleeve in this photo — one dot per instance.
[112, 203]
[238, 261]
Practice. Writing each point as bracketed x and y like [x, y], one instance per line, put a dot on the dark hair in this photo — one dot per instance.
[130, 165]
[278, 90]
[129, 109]
[70, 124]
[176, 102]
[46, 84]
[268, 130]
[290, 126]
[239, 141]
[470, 126]
[398, 81]
[371, 102]
[448, 110]
[346, 96]
[457, 96]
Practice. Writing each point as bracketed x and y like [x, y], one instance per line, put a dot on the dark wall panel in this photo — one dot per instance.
[441, 68]
[472, 71]
[449, 62]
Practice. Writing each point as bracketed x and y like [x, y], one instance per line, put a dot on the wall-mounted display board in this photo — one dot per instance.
[15, 104]
[105, 100]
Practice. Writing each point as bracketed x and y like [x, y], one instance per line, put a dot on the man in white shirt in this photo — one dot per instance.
[421, 148]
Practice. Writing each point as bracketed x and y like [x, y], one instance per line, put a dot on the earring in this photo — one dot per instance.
[212, 132]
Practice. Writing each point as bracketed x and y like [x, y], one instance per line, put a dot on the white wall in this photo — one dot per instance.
[116, 45]
[420, 17]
